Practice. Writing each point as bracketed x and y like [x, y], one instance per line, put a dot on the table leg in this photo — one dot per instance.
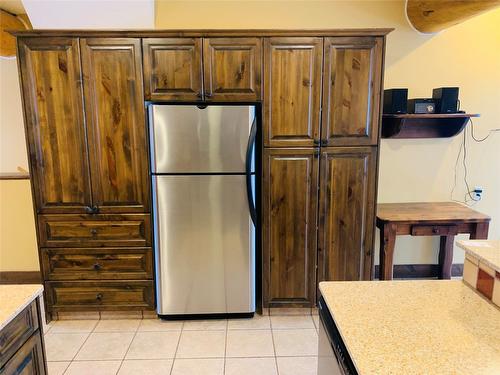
[480, 231]
[387, 242]
[445, 257]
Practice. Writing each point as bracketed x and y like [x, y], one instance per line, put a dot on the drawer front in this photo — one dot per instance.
[15, 334]
[98, 263]
[94, 230]
[102, 295]
[29, 360]
[434, 230]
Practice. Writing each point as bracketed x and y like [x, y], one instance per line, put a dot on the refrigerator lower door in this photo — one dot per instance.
[204, 245]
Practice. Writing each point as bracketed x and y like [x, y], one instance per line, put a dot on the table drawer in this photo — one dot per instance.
[28, 360]
[100, 295]
[94, 230]
[434, 230]
[98, 263]
[15, 334]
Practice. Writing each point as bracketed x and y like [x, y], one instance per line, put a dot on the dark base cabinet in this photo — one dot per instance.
[21, 344]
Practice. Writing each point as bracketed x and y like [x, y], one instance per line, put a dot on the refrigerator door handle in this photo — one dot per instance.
[248, 170]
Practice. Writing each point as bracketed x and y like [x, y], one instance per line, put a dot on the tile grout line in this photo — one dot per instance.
[177, 348]
[225, 349]
[274, 345]
[80, 348]
[129, 345]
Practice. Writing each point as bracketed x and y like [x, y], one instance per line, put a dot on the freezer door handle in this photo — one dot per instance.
[248, 170]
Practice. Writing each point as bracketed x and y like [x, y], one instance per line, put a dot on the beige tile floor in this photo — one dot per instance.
[263, 345]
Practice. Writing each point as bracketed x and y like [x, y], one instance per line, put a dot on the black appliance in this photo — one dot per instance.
[446, 99]
[422, 105]
[395, 101]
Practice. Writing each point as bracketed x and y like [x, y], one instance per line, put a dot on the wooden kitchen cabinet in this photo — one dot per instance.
[232, 69]
[290, 180]
[172, 68]
[346, 213]
[292, 91]
[351, 91]
[116, 124]
[51, 82]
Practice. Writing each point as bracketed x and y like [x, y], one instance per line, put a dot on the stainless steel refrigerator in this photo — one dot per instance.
[203, 179]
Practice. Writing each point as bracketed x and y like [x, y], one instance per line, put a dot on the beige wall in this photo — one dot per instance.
[410, 170]
[464, 56]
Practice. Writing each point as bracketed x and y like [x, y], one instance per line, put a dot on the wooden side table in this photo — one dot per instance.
[444, 219]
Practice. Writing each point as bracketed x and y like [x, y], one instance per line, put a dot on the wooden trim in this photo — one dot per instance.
[20, 277]
[418, 271]
[14, 176]
[203, 33]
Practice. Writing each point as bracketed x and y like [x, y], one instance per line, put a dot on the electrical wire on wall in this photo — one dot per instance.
[469, 198]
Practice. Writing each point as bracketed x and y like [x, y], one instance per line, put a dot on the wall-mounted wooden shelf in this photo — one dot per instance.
[436, 125]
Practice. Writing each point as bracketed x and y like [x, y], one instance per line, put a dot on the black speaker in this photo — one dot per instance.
[395, 101]
[446, 99]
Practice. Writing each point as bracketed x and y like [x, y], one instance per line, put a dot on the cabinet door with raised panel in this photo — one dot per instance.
[172, 68]
[292, 91]
[232, 68]
[116, 124]
[55, 129]
[352, 90]
[347, 213]
[290, 187]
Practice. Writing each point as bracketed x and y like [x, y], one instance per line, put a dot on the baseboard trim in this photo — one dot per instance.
[419, 271]
[20, 277]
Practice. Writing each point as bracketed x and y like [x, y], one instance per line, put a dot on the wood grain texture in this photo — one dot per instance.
[15, 334]
[94, 230]
[292, 91]
[28, 360]
[9, 22]
[99, 295]
[55, 130]
[351, 91]
[428, 211]
[114, 110]
[232, 69]
[431, 16]
[172, 68]
[347, 212]
[133, 263]
[290, 180]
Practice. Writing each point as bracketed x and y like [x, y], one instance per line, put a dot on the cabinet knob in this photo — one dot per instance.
[98, 297]
[316, 141]
[93, 231]
[199, 95]
[208, 94]
[97, 266]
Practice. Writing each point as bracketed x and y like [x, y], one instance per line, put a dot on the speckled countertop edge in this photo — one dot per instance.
[14, 299]
[376, 359]
[476, 249]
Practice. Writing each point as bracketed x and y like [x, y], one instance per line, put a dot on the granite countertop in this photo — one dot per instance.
[416, 327]
[14, 298]
[488, 251]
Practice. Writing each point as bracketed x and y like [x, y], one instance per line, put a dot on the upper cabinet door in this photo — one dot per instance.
[347, 213]
[116, 124]
[351, 91]
[55, 129]
[172, 68]
[292, 91]
[232, 69]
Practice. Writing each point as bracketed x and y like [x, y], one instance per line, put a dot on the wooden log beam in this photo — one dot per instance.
[10, 21]
[431, 16]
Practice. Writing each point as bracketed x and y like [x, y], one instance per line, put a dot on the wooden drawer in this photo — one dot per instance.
[94, 230]
[29, 360]
[434, 230]
[15, 334]
[100, 295]
[98, 263]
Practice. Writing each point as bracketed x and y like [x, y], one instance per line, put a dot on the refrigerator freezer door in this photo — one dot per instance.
[204, 245]
[187, 139]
